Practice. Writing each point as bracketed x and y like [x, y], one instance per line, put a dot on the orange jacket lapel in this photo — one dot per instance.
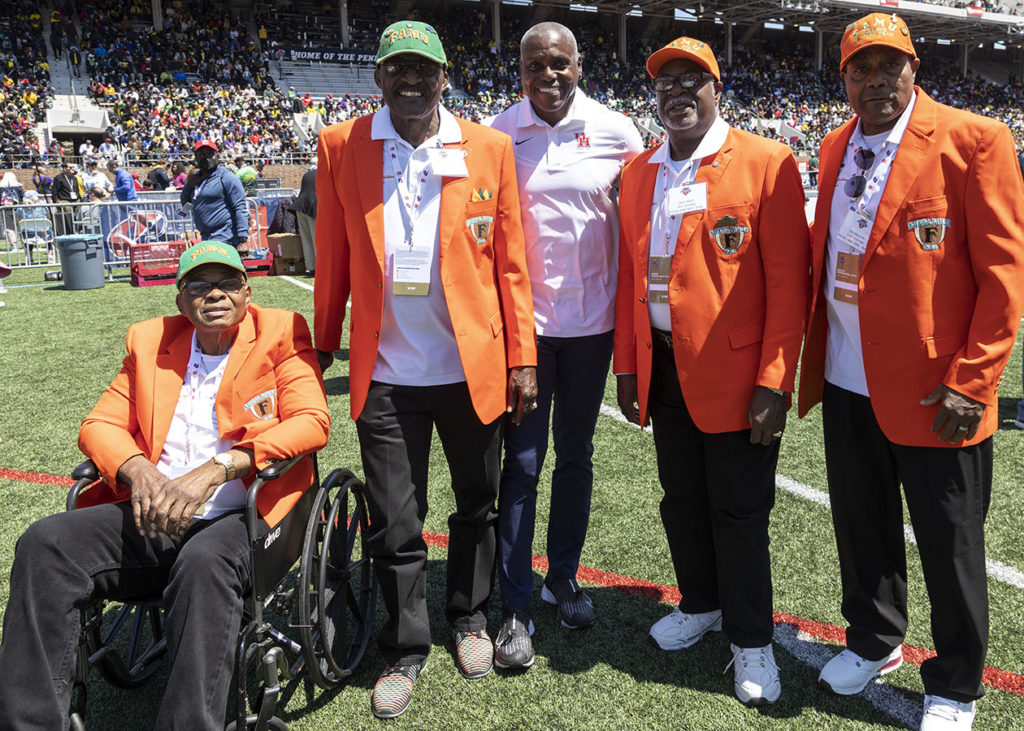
[369, 176]
[913, 151]
[168, 377]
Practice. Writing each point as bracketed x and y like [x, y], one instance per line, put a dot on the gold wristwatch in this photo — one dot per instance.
[225, 461]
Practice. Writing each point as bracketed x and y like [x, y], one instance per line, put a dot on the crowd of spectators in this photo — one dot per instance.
[25, 90]
[205, 76]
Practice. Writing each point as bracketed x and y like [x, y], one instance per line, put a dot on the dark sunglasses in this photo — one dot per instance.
[201, 288]
[855, 186]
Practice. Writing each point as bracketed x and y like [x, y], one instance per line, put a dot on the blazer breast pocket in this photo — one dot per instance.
[259, 398]
[480, 219]
[928, 222]
[729, 229]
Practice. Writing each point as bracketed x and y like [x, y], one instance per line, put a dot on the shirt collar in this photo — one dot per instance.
[527, 117]
[711, 143]
[382, 128]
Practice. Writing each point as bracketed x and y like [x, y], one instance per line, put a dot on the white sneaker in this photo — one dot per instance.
[848, 673]
[755, 675]
[677, 630]
[941, 714]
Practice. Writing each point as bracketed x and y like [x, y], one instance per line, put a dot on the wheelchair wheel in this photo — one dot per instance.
[131, 648]
[337, 587]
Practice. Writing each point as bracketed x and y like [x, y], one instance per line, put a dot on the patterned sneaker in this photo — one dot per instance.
[678, 630]
[513, 648]
[945, 714]
[575, 609]
[474, 653]
[393, 691]
[756, 676]
[848, 673]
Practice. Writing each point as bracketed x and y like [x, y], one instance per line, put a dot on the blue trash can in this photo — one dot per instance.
[81, 260]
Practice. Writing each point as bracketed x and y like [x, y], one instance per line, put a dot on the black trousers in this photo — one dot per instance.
[947, 492]
[65, 560]
[719, 492]
[395, 429]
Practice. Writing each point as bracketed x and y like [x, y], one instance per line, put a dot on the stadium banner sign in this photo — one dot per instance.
[326, 55]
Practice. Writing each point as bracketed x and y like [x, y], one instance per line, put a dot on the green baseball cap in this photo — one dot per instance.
[411, 36]
[208, 252]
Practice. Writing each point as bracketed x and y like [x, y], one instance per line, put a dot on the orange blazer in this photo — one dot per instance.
[271, 400]
[942, 311]
[485, 282]
[737, 318]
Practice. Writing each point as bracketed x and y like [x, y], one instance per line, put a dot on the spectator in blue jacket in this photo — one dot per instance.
[218, 202]
[124, 186]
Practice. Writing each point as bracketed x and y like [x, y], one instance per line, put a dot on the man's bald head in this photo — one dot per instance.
[542, 31]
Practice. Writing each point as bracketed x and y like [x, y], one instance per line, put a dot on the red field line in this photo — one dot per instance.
[1003, 680]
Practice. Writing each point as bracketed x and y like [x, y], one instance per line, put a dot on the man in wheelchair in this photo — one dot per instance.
[203, 401]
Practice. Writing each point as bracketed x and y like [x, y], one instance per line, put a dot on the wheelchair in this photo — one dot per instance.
[330, 609]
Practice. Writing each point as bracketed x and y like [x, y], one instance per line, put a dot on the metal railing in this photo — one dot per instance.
[28, 232]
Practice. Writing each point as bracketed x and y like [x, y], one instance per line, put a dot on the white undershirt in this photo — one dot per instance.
[664, 225]
[194, 437]
[417, 343]
[844, 355]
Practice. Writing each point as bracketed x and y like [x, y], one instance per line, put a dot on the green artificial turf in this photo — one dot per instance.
[59, 349]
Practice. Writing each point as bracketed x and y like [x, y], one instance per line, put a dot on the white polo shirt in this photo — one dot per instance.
[566, 175]
[844, 354]
[417, 343]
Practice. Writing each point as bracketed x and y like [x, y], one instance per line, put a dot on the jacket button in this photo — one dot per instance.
[643, 300]
[375, 335]
[648, 344]
[380, 285]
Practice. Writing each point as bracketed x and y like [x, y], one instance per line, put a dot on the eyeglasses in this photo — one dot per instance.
[687, 80]
[424, 69]
[863, 159]
[201, 288]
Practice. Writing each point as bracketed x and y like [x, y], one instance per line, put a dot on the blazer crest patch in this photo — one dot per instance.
[480, 226]
[729, 234]
[263, 405]
[929, 232]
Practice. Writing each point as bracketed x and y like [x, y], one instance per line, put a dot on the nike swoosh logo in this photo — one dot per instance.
[519, 142]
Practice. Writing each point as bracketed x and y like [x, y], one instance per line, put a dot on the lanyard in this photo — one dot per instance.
[878, 172]
[687, 174]
[410, 197]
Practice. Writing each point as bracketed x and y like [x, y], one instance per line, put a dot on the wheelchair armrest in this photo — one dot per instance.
[268, 473]
[85, 471]
[276, 469]
[84, 475]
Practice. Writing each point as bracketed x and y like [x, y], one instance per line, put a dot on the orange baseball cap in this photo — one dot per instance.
[689, 48]
[876, 29]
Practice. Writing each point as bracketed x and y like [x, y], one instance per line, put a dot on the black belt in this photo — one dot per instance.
[664, 337]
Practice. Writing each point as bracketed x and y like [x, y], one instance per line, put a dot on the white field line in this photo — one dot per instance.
[297, 283]
[995, 569]
[884, 697]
